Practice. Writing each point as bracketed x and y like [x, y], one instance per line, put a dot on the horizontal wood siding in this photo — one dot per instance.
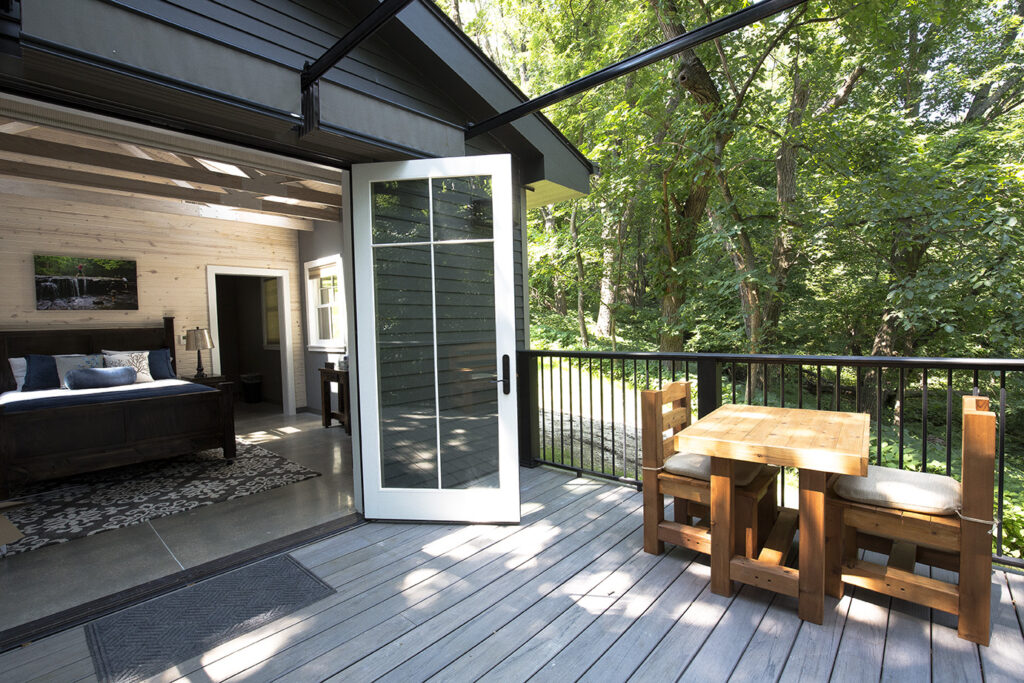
[172, 253]
[280, 32]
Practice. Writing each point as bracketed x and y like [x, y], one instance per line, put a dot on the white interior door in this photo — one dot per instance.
[435, 312]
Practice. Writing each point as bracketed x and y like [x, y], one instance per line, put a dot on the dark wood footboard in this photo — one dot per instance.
[46, 444]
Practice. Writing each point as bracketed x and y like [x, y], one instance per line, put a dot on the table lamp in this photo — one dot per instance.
[197, 340]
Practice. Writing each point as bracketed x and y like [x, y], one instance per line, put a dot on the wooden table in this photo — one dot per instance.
[815, 441]
[343, 414]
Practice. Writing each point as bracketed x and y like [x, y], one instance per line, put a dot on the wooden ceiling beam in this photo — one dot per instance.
[63, 195]
[88, 180]
[132, 164]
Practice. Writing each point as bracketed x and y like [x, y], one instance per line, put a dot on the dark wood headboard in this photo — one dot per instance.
[15, 343]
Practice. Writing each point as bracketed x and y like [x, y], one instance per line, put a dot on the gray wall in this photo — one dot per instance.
[325, 240]
[240, 321]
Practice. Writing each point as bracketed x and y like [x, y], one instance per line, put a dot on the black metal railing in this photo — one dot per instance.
[580, 410]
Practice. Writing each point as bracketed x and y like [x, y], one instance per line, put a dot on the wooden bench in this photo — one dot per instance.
[669, 410]
[959, 542]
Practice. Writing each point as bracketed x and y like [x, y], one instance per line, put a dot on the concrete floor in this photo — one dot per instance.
[51, 579]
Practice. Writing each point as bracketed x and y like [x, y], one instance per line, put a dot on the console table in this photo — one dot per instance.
[343, 414]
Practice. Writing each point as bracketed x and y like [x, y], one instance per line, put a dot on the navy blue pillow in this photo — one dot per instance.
[40, 373]
[100, 378]
[160, 364]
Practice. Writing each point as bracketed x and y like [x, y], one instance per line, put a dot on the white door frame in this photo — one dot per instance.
[284, 317]
[468, 505]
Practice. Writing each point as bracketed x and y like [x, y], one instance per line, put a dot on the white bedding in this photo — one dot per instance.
[10, 397]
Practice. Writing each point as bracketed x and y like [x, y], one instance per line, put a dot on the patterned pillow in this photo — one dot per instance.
[139, 361]
[159, 362]
[75, 361]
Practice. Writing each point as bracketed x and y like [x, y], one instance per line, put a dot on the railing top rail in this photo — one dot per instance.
[845, 361]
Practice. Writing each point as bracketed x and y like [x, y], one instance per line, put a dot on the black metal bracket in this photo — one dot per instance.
[689, 40]
[310, 108]
[311, 72]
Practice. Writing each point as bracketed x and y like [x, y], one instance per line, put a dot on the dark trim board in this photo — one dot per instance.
[76, 616]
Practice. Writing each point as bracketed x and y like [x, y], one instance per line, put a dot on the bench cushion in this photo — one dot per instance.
[929, 494]
[699, 467]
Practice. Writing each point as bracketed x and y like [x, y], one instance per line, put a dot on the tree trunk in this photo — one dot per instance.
[605, 313]
[561, 307]
[580, 317]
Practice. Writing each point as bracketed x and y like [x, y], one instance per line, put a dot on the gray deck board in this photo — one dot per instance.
[1001, 660]
[766, 654]
[953, 659]
[567, 595]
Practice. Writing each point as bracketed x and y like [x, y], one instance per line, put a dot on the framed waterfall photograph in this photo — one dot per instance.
[73, 283]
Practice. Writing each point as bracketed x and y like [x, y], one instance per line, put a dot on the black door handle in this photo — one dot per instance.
[506, 380]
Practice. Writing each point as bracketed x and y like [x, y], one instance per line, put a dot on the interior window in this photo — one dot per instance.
[325, 305]
[271, 326]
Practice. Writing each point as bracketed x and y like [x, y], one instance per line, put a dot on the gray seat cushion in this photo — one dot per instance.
[699, 467]
[929, 494]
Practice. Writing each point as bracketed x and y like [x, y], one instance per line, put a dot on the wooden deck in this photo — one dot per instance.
[567, 595]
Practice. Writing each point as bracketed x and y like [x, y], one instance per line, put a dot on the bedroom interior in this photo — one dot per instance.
[146, 490]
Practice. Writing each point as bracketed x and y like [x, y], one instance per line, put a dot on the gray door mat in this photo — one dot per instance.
[153, 636]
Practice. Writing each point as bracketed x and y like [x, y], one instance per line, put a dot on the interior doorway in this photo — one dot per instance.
[250, 324]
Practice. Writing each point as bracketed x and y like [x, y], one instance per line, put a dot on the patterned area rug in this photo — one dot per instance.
[87, 504]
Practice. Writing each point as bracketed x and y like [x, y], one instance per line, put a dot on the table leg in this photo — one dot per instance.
[723, 530]
[812, 546]
[325, 402]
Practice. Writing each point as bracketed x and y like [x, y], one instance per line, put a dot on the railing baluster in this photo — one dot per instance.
[799, 385]
[572, 426]
[975, 382]
[561, 416]
[818, 389]
[878, 416]
[545, 404]
[601, 385]
[1002, 461]
[590, 401]
[924, 420]
[837, 387]
[949, 422]
[764, 384]
[782, 385]
[636, 425]
[611, 391]
[900, 402]
[748, 391]
[625, 427]
[733, 379]
[857, 396]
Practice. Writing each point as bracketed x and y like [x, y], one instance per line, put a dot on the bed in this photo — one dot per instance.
[71, 432]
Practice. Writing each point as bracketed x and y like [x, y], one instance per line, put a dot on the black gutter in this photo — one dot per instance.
[366, 27]
[689, 40]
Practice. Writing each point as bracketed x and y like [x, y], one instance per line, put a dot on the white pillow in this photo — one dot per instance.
[138, 360]
[19, 367]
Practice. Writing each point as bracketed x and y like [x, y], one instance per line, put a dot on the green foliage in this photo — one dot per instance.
[902, 230]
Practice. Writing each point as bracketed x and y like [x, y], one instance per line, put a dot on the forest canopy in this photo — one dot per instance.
[845, 178]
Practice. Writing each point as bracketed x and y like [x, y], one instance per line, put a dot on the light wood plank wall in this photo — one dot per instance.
[172, 254]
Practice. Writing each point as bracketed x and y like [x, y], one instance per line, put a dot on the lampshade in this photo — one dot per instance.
[198, 339]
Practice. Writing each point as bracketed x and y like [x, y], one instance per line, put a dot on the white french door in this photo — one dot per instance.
[435, 319]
